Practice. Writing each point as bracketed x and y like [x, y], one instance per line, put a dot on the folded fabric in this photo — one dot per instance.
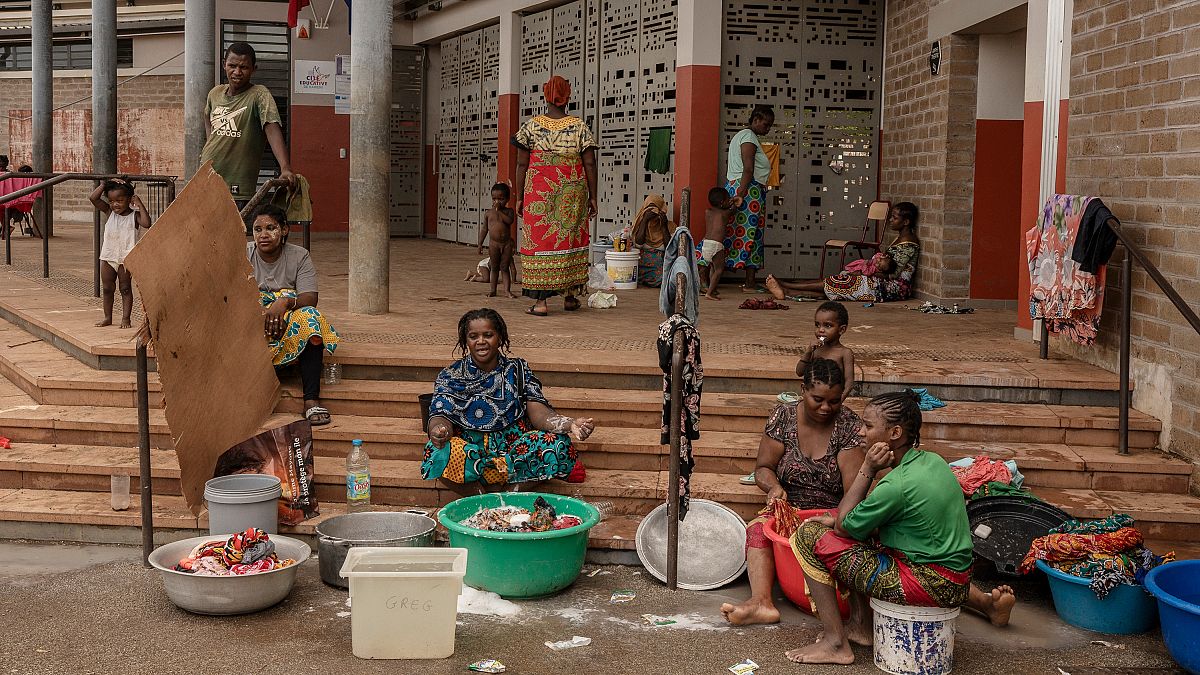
[928, 401]
[995, 489]
[982, 470]
[1063, 547]
[1018, 478]
[1102, 526]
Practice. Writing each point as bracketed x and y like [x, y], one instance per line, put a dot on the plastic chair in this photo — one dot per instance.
[23, 206]
[877, 212]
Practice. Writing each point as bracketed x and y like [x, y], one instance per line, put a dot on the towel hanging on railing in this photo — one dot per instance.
[680, 256]
[690, 388]
[1068, 298]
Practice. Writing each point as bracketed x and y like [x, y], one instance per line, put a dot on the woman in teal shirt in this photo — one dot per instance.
[923, 553]
[747, 171]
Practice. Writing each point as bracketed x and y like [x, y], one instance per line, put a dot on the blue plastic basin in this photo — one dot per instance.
[1176, 586]
[1124, 611]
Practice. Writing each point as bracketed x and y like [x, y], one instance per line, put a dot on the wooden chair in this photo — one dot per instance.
[877, 212]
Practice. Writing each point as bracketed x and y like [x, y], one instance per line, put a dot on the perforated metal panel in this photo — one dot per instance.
[818, 63]
[490, 38]
[622, 82]
[447, 143]
[470, 90]
[405, 194]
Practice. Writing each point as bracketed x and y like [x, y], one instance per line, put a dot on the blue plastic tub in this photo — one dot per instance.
[1177, 587]
[1125, 611]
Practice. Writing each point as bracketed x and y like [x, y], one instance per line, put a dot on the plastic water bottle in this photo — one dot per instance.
[358, 478]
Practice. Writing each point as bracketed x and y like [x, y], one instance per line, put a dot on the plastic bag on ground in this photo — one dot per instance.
[598, 279]
[601, 300]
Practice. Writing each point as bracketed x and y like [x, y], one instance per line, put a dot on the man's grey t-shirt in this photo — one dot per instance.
[293, 269]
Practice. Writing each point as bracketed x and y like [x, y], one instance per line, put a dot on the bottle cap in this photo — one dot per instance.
[357, 441]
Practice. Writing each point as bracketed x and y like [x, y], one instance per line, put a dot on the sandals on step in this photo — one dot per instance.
[317, 416]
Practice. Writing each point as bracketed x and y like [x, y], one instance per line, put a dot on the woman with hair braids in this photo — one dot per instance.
[489, 422]
[808, 456]
[923, 553]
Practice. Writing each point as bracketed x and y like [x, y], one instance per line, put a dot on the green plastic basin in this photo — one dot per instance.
[520, 564]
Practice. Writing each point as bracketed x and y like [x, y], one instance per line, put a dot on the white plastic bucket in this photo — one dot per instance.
[913, 640]
[404, 601]
[243, 500]
[623, 268]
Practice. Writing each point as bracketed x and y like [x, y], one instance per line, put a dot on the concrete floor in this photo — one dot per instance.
[95, 609]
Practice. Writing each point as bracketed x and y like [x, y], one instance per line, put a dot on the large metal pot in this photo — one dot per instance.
[338, 535]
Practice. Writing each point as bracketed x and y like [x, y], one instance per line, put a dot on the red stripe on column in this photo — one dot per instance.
[697, 137]
[996, 228]
[508, 121]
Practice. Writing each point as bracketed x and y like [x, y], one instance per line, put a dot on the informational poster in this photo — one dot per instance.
[314, 77]
[341, 85]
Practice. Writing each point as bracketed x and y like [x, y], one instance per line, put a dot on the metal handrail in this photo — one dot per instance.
[49, 180]
[675, 428]
[1132, 252]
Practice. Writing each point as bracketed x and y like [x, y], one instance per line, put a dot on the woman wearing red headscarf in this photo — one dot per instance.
[556, 197]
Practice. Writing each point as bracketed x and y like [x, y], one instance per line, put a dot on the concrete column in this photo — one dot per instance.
[43, 102]
[199, 76]
[370, 106]
[698, 104]
[104, 87]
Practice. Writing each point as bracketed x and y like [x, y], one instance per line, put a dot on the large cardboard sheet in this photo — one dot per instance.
[201, 302]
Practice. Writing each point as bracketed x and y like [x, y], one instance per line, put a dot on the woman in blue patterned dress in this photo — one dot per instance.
[747, 171]
[489, 421]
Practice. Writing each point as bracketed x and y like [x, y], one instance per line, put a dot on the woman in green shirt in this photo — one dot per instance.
[908, 542]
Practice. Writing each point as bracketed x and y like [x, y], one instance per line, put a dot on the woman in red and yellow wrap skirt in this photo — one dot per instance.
[556, 188]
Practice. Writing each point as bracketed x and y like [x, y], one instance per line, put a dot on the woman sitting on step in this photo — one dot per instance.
[808, 455]
[489, 421]
[908, 542]
[287, 285]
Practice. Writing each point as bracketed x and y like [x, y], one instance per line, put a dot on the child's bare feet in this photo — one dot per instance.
[125, 323]
[104, 322]
[491, 294]
[470, 276]
[774, 287]
[712, 296]
[511, 294]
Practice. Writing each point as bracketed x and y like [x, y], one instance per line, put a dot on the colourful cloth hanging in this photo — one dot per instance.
[658, 150]
[773, 151]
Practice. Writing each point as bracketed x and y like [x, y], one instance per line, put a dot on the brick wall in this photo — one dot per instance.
[149, 131]
[1135, 142]
[929, 142]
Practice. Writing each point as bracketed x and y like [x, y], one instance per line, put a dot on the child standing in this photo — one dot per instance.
[126, 213]
[831, 321]
[497, 227]
[712, 249]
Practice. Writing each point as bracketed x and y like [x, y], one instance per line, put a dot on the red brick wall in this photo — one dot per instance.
[149, 131]
[929, 143]
[1135, 142]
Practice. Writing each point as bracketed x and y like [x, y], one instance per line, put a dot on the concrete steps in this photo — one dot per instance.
[73, 425]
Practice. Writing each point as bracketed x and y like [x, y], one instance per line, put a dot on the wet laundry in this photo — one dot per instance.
[248, 552]
[1107, 552]
[543, 518]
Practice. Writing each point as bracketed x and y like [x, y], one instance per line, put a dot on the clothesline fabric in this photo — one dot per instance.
[1061, 292]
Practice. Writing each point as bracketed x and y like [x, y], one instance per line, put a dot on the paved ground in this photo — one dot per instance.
[94, 609]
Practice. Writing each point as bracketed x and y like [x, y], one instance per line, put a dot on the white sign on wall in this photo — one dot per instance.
[313, 77]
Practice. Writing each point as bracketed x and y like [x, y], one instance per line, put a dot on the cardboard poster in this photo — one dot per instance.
[201, 303]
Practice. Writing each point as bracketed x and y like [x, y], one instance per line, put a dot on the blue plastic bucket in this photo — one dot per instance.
[1177, 587]
[1124, 611]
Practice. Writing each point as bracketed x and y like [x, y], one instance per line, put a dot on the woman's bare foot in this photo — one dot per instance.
[712, 296]
[125, 323]
[104, 322]
[1000, 605]
[752, 611]
[774, 287]
[824, 651]
[491, 294]
[512, 295]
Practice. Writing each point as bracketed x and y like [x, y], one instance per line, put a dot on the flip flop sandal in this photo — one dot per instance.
[747, 479]
[531, 312]
[320, 414]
